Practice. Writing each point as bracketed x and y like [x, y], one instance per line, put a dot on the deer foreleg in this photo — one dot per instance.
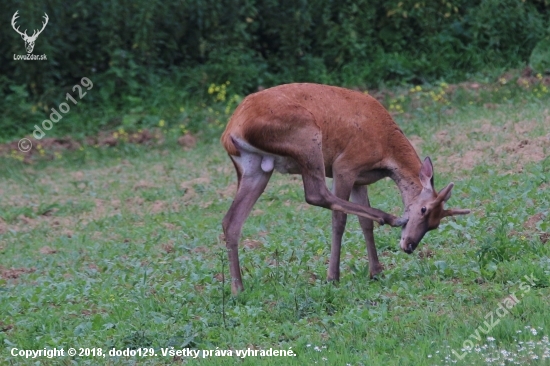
[341, 187]
[360, 196]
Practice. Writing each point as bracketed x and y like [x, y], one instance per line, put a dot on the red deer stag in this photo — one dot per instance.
[316, 131]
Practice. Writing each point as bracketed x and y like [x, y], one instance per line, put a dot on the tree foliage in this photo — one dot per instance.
[128, 46]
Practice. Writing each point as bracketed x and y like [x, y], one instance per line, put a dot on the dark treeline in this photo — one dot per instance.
[128, 46]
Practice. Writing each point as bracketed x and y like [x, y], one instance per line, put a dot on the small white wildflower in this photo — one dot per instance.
[308, 345]
[429, 356]
[317, 349]
[323, 358]
[533, 331]
[490, 339]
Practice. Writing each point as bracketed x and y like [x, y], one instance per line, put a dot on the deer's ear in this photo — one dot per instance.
[427, 174]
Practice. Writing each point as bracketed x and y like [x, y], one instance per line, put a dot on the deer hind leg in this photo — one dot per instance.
[341, 187]
[317, 193]
[360, 196]
[252, 182]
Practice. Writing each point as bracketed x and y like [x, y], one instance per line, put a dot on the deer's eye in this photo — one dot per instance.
[423, 210]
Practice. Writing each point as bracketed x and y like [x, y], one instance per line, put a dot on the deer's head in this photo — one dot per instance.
[426, 210]
[29, 40]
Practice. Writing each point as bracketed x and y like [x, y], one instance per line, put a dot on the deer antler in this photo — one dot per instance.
[43, 26]
[34, 34]
[13, 20]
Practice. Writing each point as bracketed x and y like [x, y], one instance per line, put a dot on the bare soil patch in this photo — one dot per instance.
[14, 273]
[511, 144]
[47, 147]
[533, 220]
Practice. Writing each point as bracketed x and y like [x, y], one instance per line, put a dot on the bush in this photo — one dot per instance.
[540, 57]
[129, 47]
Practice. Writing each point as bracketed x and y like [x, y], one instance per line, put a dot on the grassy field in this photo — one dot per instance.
[120, 248]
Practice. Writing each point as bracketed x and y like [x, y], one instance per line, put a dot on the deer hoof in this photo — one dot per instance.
[397, 221]
[401, 221]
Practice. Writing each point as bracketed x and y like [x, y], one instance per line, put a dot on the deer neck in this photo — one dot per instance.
[405, 170]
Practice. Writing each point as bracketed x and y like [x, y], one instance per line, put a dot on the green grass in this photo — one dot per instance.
[121, 249]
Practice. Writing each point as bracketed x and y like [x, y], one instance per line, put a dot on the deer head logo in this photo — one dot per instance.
[29, 40]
